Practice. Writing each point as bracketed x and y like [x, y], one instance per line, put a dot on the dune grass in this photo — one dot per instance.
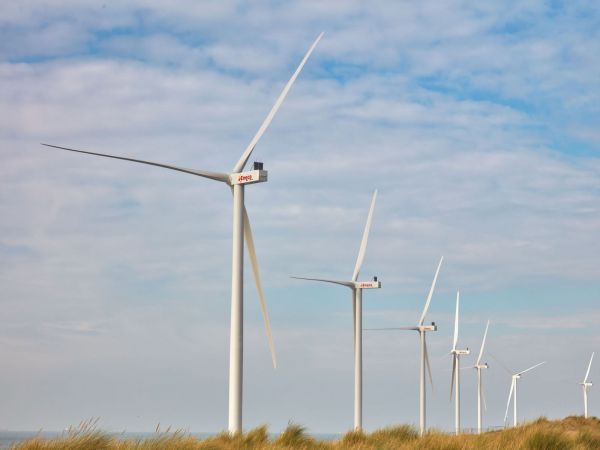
[571, 433]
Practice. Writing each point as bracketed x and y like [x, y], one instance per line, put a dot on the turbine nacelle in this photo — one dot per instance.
[367, 284]
[481, 366]
[587, 384]
[432, 327]
[249, 177]
[460, 352]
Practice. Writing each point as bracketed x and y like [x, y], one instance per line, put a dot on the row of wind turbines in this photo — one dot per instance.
[422, 328]
[236, 180]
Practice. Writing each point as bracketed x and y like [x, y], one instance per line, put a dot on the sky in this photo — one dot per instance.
[476, 121]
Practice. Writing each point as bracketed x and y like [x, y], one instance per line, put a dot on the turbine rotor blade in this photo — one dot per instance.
[512, 387]
[483, 343]
[244, 158]
[588, 369]
[218, 176]
[531, 368]
[422, 319]
[483, 394]
[428, 366]
[453, 374]
[507, 369]
[454, 342]
[365, 238]
[261, 295]
[342, 283]
[388, 329]
[354, 320]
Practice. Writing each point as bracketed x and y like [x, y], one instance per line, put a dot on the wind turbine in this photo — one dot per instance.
[357, 287]
[422, 329]
[456, 354]
[513, 389]
[479, 367]
[585, 384]
[236, 180]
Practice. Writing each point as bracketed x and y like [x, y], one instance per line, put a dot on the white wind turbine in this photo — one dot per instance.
[424, 364]
[513, 389]
[236, 180]
[479, 367]
[456, 354]
[585, 384]
[357, 287]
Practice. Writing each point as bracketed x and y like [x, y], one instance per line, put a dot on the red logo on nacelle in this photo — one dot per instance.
[245, 178]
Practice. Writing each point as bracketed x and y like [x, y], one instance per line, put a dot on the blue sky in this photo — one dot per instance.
[477, 122]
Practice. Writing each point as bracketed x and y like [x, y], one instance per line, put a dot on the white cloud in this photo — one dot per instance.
[112, 270]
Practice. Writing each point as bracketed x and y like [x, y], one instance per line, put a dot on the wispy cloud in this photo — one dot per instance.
[476, 122]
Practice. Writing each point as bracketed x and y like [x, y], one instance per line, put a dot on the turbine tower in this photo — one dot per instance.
[513, 389]
[479, 367]
[585, 384]
[357, 287]
[424, 364]
[236, 180]
[456, 354]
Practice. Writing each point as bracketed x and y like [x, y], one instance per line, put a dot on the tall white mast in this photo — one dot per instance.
[357, 288]
[237, 180]
[479, 367]
[456, 354]
[585, 384]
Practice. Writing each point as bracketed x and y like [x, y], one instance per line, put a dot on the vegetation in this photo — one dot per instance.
[572, 433]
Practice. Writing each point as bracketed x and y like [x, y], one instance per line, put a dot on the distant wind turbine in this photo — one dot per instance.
[513, 390]
[585, 384]
[357, 287]
[423, 329]
[479, 367]
[456, 354]
[236, 180]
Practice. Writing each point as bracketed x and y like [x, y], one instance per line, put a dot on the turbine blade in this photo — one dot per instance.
[354, 320]
[244, 158]
[453, 374]
[342, 283]
[483, 343]
[588, 369]
[483, 395]
[422, 320]
[201, 173]
[261, 295]
[532, 367]
[428, 366]
[512, 387]
[456, 321]
[365, 238]
[506, 369]
[388, 329]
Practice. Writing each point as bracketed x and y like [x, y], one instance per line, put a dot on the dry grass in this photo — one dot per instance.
[571, 433]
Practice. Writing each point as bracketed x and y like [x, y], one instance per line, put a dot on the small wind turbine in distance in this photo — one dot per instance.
[479, 367]
[422, 329]
[585, 384]
[513, 390]
[357, 287]
[456, 354]
[236, 180]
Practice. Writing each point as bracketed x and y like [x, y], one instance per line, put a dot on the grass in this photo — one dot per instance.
[571, 433]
